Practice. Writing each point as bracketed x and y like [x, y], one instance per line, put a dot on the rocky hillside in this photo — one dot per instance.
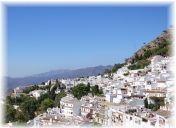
[160, 43]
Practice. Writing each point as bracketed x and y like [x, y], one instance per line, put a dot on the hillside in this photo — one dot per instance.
[159, 46]
[162, 45]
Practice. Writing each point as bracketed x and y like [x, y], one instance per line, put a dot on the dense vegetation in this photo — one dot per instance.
[140, 61]
[82, 90]
[116, 67]
[31, 88]
[26, 111]
[47, 103]
[29, 107]
[139, 65]
[158, 101]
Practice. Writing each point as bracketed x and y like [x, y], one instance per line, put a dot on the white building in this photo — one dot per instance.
[18, 91]
[164, 119]
[88, 109]
[37, 93]
[154, 63]
[70, 106]
[110, 96]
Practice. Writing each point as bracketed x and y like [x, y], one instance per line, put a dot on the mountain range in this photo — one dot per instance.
[54, 74]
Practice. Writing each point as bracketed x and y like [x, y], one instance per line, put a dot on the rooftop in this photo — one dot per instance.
[106, 103]
[163, 113]
[73, 101]
[154, 91]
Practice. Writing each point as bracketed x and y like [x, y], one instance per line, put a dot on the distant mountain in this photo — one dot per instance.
[55, 74]
[51, 73]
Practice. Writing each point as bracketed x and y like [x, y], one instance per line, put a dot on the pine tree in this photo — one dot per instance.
[146, 103]
[88, 87]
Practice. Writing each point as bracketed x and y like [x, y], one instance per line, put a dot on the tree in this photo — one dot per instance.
[116, 67]
[29, 107]
[20, 116]
[52, 91]
[136, 57]
[79, 91]
[101, 90]
[88, 86]
[56, 101]
[147, 54]
[43, 83]
[157, 100]
[47, 103]
[10, 114]
[58, 98]
[95, 90]
[10, 100]
[140, 65]
[150, 106]
[42, 98]
[156, 107]
[57, 81]
[146, 103]
[31, 88]
[49, 88]
[140, 57]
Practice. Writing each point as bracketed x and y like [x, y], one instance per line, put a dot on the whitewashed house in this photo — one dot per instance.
[18, 91]
[117, 113]
[139, 120]
[154, 63]
[70, 106]
[37, 93]
[163, 118]
[155, 92]
[110, 96]
[88, 109]
[122, 95]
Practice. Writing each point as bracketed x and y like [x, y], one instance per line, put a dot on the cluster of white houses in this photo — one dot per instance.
[123, 101]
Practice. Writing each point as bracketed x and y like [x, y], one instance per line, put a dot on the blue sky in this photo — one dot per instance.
[44, 38]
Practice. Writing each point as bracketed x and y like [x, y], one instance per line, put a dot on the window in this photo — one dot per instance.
[131, 118]
[139, 122]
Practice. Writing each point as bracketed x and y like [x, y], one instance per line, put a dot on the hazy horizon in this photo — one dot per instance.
[29, 75]
[44, 38]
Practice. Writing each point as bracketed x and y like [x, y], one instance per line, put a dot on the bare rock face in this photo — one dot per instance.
[165, 36]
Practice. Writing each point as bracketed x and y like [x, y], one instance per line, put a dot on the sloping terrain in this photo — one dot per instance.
[162, 43]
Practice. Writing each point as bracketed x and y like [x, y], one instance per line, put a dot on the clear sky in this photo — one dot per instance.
[41, 38]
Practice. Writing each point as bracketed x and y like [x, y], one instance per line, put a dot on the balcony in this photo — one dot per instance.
[102, 116]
